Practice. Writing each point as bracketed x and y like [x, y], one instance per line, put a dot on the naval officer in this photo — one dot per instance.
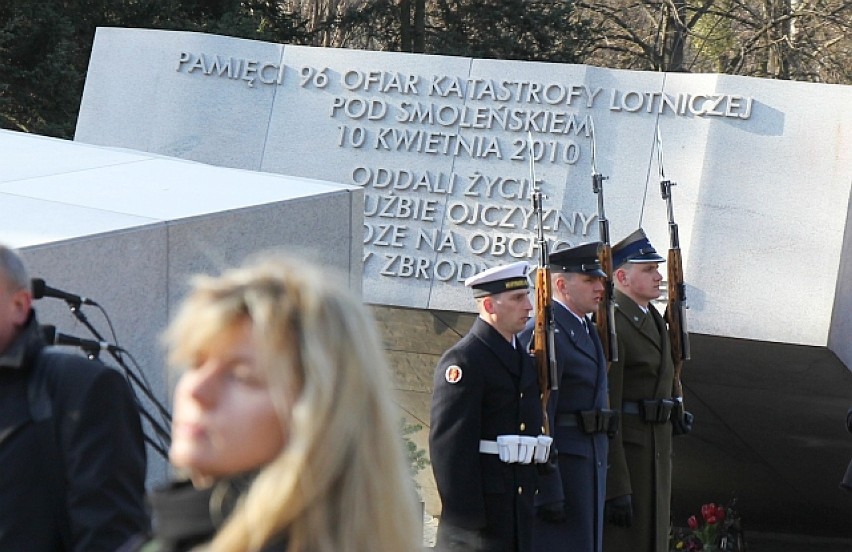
[485, 421]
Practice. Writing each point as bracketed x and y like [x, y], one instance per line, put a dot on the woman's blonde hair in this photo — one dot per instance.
[341, 483]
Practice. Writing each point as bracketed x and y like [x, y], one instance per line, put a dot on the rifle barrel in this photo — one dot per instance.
[605, 316]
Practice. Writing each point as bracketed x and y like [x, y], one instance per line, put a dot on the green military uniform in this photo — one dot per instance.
[640, 456]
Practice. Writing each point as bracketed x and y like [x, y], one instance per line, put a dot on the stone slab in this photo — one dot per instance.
[127, 229]
[125, 272]
[238, 140]
[439, 145]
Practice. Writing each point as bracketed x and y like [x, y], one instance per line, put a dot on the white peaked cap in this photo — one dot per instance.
[498, 279]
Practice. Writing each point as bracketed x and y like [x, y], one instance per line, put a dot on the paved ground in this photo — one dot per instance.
[757, 542]
[773, 542]
[430, 528]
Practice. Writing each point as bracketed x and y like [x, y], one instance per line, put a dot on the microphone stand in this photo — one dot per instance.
[161, 432]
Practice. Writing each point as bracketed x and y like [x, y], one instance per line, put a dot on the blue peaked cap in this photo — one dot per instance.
[635, 248]
[580, 259]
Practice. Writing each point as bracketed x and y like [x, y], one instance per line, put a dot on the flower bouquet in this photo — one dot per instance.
[719, 530]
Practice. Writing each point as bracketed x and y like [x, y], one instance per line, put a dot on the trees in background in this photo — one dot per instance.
[45, 44]
[808, 40]
[40, 78]
[534, 30]
[45, 47]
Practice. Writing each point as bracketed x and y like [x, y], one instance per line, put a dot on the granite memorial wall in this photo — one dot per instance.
[441, 146]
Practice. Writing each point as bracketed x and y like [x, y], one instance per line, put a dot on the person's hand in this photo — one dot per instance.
[683, 424]
[619, 511]
[553, 512]
[552, 463]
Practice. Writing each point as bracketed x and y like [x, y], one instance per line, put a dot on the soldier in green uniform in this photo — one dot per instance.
[640, 385]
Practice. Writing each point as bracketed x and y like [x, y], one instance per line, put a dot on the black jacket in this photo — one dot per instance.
[185, 517]
[483, 388]
[72, 456]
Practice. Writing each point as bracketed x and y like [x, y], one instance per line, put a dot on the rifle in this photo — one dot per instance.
[605, 315]
[676, 309]
[543, 345]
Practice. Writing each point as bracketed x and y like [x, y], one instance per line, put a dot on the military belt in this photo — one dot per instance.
[590, 421]
[652, 411]
[518, 449]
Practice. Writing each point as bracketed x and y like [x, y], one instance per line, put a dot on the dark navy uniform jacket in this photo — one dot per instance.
[580, 482]
[483, 388]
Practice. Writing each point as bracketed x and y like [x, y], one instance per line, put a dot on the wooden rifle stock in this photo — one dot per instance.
[543, 344]
[605, 316]
[676, 316]
[543, 341]
[676, 309]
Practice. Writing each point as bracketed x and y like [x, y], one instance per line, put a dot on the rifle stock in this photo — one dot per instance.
[676, 316]
[543, 345]
[605, 316]
[676, 287]
[543, 341]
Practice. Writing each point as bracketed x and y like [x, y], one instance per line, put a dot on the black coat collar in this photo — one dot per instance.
[24, 348]
[509, 357]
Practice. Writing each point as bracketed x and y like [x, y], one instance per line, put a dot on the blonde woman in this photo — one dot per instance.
[283, 420]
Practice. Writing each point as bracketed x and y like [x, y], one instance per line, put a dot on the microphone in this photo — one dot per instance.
[40, 289]
[90, 346]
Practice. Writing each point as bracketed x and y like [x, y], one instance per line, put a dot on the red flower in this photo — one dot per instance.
[720, 513]
[692, 522]
[711, 520]
[708, 511]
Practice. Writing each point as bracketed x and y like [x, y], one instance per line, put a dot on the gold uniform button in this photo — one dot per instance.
[523, 426]
[520, 490]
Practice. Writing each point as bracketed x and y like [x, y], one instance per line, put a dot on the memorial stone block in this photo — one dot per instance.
[441, 146]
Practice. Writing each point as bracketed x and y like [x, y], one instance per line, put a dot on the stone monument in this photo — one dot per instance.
[442, 147]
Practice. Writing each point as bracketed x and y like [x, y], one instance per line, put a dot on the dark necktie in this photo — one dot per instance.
[652, 326]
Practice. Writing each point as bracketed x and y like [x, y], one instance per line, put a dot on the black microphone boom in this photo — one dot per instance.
[89, 345]
[40, 289]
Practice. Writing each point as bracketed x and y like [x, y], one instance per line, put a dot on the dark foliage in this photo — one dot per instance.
[45, 47]
[508, 29]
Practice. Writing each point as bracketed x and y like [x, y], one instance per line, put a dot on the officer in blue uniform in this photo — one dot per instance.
[485, 422]
[570, 501]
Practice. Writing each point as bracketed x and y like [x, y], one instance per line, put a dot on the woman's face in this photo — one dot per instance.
[224, 421]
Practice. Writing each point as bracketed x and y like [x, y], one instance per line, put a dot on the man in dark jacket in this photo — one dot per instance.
[570, 501]
[640, 385]
[846, 483]
[485, 413]
[72, 457]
